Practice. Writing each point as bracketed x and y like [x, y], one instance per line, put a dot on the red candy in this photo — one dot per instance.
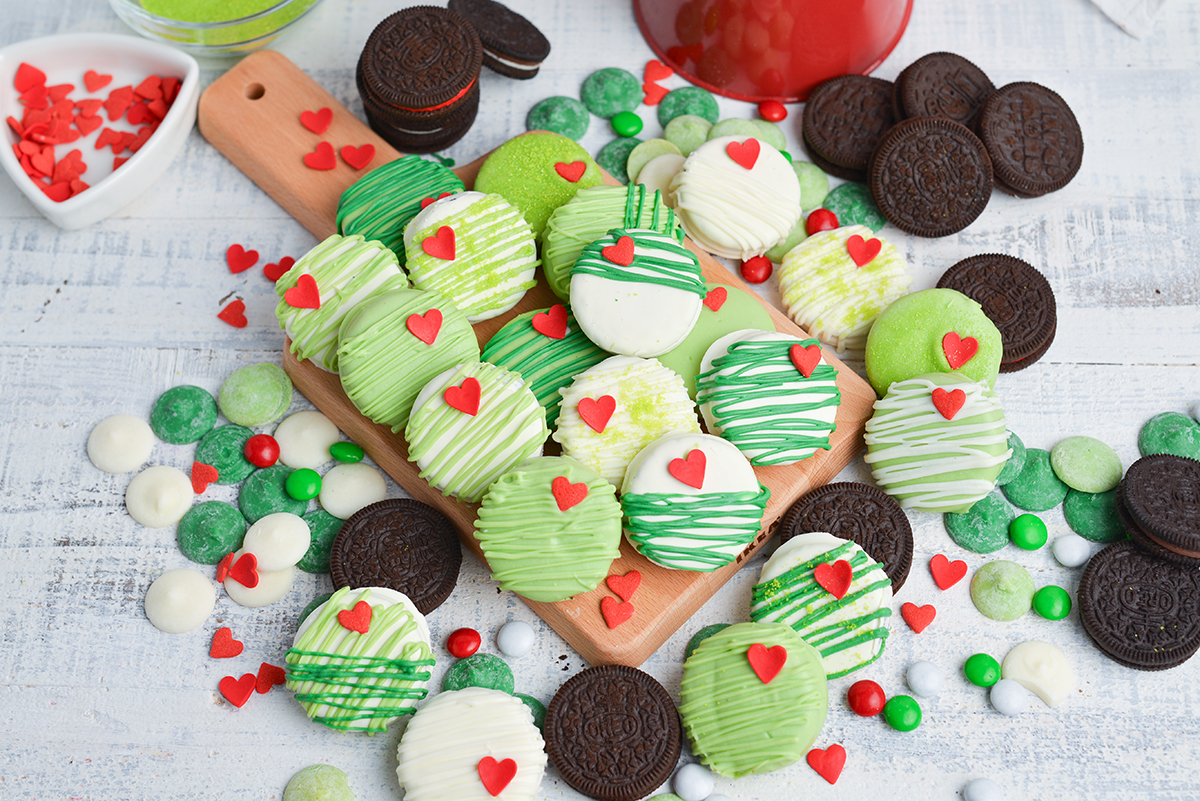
[757, 269]
[262, 450]
[772, 111]
[866, 698]
[463, 642]
[820, 220]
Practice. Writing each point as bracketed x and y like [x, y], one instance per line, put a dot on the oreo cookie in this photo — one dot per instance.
[1015, 297]
[1032, 137]
[861, 513]
[613, 733]
[944, 85]
[1140, 611]
[400, 544]
[512, 45]
[1158, 501]
[844, 119]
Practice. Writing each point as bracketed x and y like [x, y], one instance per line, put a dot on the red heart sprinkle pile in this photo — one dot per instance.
[268, 676]
[948, 404]
[425, 327]
[245, 571]
[234, 314]
[202, 475]
[27, 77]
[238, 691]
[567, 494]
[917, 617]
[496, 775]
[615, 612]
[224, 646]
[744, 154]
[828, 763]
[464, 398]
[806, 358]
[304, 295]
[322, 158]
[358, 157]
[958, 351]
[626, 585]
[356, 619]
[316, 121]
[597, 413]
[571, 171]
[690, 470]
[835, 578]
[441, 244]
[716, 298]
[620, 253]
[766, 662]
[863, 251]
[552, 323]
[946, 573]
[275, 271]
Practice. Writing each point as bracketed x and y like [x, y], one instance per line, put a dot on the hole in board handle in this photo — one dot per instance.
[255, 91]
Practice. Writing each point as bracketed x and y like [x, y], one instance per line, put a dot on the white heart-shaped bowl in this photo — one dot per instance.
[129, 60]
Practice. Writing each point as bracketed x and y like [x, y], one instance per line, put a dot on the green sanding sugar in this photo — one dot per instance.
[479, 670]
[852, 204]
[209, 13]
[984, 527]
[613, 157]
[206, 10]
[1093, 516]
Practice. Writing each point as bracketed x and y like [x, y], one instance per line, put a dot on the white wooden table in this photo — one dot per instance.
[97, 704]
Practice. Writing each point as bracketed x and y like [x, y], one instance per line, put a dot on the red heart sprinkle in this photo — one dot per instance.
[464, 398]
[946, 573]
[89, 106]
[626, 585]
[57, 192]
[77, 187]
[118, 100]
[427, 202]
[358, 157]
[57, 93]
[316, 121]
[597, 413]
[150, 89]
[653, 93]
[425, 327]
[620, 253]
[496, 775]
[863, 252]
[657, 71]
[239, 259]
[958, 351]
[202, 475]
[744, 154]
[828, 763]
[223, 645]
[322, 158]
[552, 323]
[43, 162]
[570, 172]
[268, 676]
[170, 89]
[917, 617]
[94, 81]
[28, 77]
[304, 295]
[238, 691]
[615, 612]
[87, 124]
[765, 662]
[158, 108]
[690, 470]
[834, 578]
[356, 619]
[117, 162]
[948, 403]
[234, 314]
[806, 358]
[245, 571]
[440, 245]
[716, 298]
[567, 494]
[223, 567]
[275, 271]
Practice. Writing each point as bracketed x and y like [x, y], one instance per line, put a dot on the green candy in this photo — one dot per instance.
[1028, 532]
[225, 449]
[700, 636]
[1170, 432]
[210, 530]
[641, 155]
[318, 783]
[1036, 488]
[323, 528]
[265, 492]
[626, 123]
[183, 414]
[982, 670]
[1093, 516]
[853, 205]
[255, 395]
[734, 127]
[1052, 602]
[902, 712]
[687, 100]
[565, 116]
[346, 452]
[1002, 590]
[797, 235]
[771, 133]
[479, 670]
[303, 484]
[613, 157]
[687, 132]
[312, 606]
[984, 527]
[814, 184]
[536, 707]
[1015, 463]
[610, 91]
[1086, 464]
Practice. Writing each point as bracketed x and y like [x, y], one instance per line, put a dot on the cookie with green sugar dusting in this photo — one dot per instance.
[1170, 432]
[984, 527]
[319, 783]
[687, 132]
[610, 90]
[687, 100]
[613, 157]
[564, 116]
[479, 670]
[210, 530]
[225, 449]
[549, 529]
[1094, 516]
[1036, 488]
[255, 395]
[851, 203]
[183, 414]
[1086, 464]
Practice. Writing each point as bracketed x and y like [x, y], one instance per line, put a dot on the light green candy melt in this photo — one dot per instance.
[814, 184]
[770, 133]
[687, 132]
[1086, 464]
[255, 395]
[797, 235]
[1002, 590]
[641, 155]
[733, 127]
[319, 783]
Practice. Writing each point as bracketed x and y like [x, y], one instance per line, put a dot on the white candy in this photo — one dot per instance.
[982, 790]
[349, 487]
[658, 174]
[1070, 549]
[1009, 697]
[1042, 668]
[272, 585]
[515, 639]
[925, 679]
[304, 439]
[278, 541]
[159, 496]
[180, 600]
[693, 782]
[120, 443]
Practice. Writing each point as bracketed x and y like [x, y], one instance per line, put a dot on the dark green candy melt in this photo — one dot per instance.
[322, 527]
[687, 100]
[312, 606]
[852, 204]
[480, 670]
[210, 530]
[1093, 516]
[610, 91]
[700, 636]
[225, 449]
[613, 157]
[1015, 463]
[1036, 488]
[1170, 432]
[984, 527]
[537, 708]
[565, 116]
[183, 414]
[265, 492]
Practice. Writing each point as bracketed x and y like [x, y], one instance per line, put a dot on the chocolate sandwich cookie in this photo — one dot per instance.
[1161, 496]
[613, 733]
[1133, 533]
[512, 45]
[860, 513]
[1014, 296]
[1140, 611]
[844, 119]
[400, 544]
[930, 176]
[944, 85]
[1032, 137]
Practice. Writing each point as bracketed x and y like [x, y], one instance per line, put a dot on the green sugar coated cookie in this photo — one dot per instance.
[852, 204]
[210, 530]
[265, 492]
[814, 185]
[1015, 463]
[565, 116]
[688, 100]
[479, 670]
[687, 132]
[225, 449]
[255, 395]
[312, 605]
[319, 783]
[1086, 464]
[984, 527]
[1036, 488]
[613, 157]
[536, 707]
[1170, 432]
[700, 636]
[322, 527]
[183, 414]
[1093, 516]
[610, 90]
[641, 155]
[1002, 590]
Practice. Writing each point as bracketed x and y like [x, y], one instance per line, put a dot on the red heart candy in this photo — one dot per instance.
[89, 106]
[235, 315]
[496, 775]
[239, 259]
[425, 327]
[77, 187]
[427, 202]
[615, 612]
[834, 578]
[917, 617]
[958, 351]
[94, 81]
[202, 475]
[28, 77]
[863, 252]
[465, 398]
[948, 403]
[43, 162]
[626, 585]
[946, 573]
[766, 662]
[358, 157]
[118, 100]
[356, 619]
[316, 121]
[690, 470]
[716, 298]
[304, 295]
[223, 645]
[322, 158]
[87, 124]
[57, 192]
[237, 691]
[440, 245]
[567, 494]
[744, 154]
[653, 93]
[620, 253]
[828, 763]
[552, 323]
[275, 271]
[245, 571]
[268, 676]
[223, 566]
[572, 171]
[597, 413]
[806, 358]
[657, 71]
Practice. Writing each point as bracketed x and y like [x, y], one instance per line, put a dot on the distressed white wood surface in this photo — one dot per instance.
[99, 705]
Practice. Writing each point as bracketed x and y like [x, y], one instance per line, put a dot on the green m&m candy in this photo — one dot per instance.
[346, 452]
[902, 712]
[1027, 532]
[304, 484]
[1052, 602]
[982, 670]
[626, 123]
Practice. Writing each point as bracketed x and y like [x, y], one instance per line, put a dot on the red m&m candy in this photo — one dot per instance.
[757, 269]
[866, 698]
[262, 450]
[463, 643]
[772, 111]
[820, 220]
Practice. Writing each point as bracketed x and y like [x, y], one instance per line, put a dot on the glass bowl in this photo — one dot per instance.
[236, 36]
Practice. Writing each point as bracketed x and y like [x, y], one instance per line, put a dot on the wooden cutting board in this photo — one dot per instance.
[252, 115]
